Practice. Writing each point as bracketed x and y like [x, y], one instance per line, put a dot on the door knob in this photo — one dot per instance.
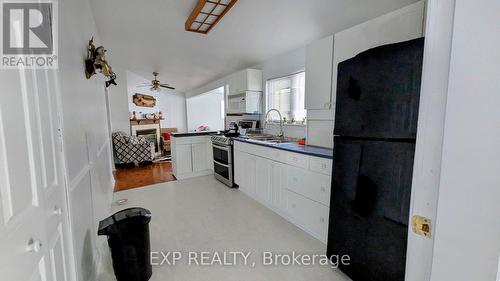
[34, 246]
[422, 226]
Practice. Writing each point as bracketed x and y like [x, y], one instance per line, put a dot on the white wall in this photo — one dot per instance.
[206, 109]
[170, 102]
[467, 237]
[118, 101]
[86, 138]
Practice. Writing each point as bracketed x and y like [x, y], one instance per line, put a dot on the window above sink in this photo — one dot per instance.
[287, 94]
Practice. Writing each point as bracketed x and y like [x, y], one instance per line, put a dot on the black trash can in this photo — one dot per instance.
[128, 238]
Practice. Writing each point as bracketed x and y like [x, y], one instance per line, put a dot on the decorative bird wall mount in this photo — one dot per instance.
[96, 61]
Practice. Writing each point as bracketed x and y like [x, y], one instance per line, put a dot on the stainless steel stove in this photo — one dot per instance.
[223, 159]
[221, 140]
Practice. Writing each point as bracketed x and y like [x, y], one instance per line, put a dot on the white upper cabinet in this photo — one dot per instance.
[319, 59]
[398, 26]
[245, 80]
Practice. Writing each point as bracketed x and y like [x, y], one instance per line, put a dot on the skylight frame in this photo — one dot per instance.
[211, 12]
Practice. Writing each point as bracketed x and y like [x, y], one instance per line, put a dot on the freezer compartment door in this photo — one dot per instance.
[378, 92]
[369, 208]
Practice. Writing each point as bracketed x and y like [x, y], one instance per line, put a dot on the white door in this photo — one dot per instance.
[430, 131]
[34, 240]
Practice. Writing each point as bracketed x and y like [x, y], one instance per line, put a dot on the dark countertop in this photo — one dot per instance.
[193, 134]
[294, 147]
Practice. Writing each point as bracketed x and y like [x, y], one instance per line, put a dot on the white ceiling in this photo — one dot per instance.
[148, 35]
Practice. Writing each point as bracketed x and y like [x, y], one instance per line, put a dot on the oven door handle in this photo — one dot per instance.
[221, 147]
[224, 165]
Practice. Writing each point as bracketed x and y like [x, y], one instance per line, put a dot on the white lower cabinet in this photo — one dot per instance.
[263, 180]
[201, 162]
[278, 176]
[192, 156]
[308, 214]
[183, 153]
[245, 171]
[286, 183]
[309, 184]
[238, 167]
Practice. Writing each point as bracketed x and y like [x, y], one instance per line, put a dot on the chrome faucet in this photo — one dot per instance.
[281, 134]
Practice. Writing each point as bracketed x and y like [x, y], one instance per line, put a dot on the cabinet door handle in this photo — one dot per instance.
[322, 219]
[34, 246]
[323, 189]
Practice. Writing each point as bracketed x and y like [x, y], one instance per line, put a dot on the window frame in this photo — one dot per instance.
[267, 108]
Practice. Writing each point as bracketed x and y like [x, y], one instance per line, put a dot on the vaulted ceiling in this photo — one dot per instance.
[148, 35]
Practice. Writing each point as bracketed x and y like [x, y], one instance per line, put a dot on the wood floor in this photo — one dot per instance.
[134, 177]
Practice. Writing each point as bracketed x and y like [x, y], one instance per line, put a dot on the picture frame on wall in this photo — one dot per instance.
[144, 100]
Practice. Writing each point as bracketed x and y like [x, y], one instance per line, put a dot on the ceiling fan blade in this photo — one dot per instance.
[167, 86]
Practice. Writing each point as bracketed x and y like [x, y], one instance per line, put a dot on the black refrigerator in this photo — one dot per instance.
[378, 94]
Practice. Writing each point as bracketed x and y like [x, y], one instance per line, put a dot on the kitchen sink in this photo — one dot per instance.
[269, 139]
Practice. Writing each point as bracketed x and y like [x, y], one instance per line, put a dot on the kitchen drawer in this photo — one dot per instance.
[308, 214]
[321, 165]
[245, 147]
[276, 155]
[314, 186]
[297, 159]
[261, 151]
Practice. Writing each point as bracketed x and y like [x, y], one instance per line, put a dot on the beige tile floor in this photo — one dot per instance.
[202, 214]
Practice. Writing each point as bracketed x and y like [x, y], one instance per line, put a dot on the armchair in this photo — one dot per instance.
[130, 149]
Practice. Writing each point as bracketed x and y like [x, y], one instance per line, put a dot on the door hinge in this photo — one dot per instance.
[422, 226]
[60, 139]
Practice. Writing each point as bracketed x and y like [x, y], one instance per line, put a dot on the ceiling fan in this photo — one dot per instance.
[156, 84]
